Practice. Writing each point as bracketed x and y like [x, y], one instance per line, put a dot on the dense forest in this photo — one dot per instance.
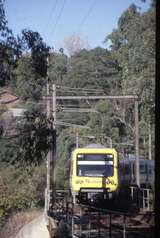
[127, 67]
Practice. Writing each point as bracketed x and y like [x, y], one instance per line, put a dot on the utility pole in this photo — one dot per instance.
[149, 142]
[137, 142]
[52, 169]
[77, 139]
[51, 156]
[54, 105]
[47, 191]
[110, 140]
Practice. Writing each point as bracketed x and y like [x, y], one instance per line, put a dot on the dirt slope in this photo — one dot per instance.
[35, 229]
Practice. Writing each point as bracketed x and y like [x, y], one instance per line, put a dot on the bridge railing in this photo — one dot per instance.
[145, 198]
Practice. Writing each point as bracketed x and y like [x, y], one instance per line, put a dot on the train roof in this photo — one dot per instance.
[132, 156]
[133, 160]
[94, 146]
[94, 149]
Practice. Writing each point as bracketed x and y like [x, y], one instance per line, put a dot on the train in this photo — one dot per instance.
[97, 175]
[93, 172]
[127, 171]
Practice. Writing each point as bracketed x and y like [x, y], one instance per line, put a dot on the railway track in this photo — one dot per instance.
[86, 221]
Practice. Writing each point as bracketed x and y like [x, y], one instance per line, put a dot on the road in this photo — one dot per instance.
[35, 229]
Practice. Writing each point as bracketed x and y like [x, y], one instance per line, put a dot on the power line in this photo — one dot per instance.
[83, 92]
[59, 16]
[65, 109]
[51, 13]
[84, 89]
[61, 123]
[72, 105]
[87, 14]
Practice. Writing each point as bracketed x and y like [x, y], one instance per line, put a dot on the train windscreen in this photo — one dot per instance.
[95, 165]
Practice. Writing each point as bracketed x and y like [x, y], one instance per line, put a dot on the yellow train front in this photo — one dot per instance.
[93, 174]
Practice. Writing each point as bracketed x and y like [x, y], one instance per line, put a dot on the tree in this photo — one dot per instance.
[10, 49]
[133, 45]
[64, 143]
[39, 51]
[24, 146]
[93, 69]
[35, 137]
[74, 44]
[57, 67]
[31, 70]
[27, 83]
[20, 188]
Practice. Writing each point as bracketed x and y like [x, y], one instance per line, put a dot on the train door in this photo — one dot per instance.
[143, 173]
[127, 172]
[121, 177]
[133, 173]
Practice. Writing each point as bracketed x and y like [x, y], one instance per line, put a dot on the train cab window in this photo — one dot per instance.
[95, 165]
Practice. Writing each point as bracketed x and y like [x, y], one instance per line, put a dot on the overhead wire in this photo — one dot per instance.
[87, 14]
[59, 16]
[84, 89]
[51, 13]
[82, 92]
[71, 105]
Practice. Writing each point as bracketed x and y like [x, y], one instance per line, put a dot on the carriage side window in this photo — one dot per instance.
[149, 169]
[143, 168]
[127, 169]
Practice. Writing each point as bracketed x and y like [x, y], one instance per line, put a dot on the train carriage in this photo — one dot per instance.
[93, 173]
[98, 177]
[127, 172]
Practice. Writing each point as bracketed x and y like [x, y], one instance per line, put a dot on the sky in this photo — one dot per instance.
[56, 20]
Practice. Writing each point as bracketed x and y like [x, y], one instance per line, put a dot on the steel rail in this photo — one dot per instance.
[107, 210]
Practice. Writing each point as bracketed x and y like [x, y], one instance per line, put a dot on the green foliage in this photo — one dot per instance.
[8, 150]
[30, 141]
[133, 44]
[20, 188]
[31, 70]
[39, 51]
[127, 68]
[57, 67]
[92, 69]
[65, 143]
[22, 184]
[103, 125]
[10, 49]
[35, 137]
[28, 86]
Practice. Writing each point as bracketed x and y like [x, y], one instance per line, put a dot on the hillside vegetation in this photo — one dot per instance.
[127, 67]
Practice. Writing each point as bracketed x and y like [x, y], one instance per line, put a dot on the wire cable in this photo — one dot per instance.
[59, 16]
[87, 14]
[82, 92]
[51, 14]
[84, 89]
